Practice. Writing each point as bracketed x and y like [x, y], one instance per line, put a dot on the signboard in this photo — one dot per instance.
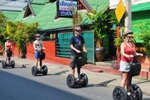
[65, 8]
[120, 10]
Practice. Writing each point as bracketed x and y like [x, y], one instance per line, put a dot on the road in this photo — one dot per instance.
[19, 84]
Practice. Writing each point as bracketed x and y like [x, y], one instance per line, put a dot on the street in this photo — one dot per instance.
[19, 84]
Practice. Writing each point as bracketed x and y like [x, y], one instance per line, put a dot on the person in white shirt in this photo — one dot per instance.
[38, 47]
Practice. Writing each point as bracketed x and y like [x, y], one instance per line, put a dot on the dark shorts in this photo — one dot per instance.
[75, 61]
[8, 52]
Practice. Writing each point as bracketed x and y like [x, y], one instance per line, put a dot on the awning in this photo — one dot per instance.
[141, 7]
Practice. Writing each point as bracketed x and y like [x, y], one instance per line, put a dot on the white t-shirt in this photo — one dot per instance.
[38, 45]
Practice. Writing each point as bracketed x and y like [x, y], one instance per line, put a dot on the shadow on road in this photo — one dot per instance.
[60, 73]
[146, 99]
[13, 87]
[103, 84]
[142, 82]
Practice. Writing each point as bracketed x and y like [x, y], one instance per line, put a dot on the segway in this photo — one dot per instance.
[43, 68]
[83, 81]
[120, 93]
[11, 63]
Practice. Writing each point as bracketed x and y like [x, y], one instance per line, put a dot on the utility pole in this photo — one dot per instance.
[128, 15]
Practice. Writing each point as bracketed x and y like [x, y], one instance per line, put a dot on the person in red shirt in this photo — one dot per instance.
[127, 53]
[8, 46]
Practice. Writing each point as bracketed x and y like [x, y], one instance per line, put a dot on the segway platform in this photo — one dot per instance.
[120, 93]
[73, 82]
[12, 64]
[42, 71]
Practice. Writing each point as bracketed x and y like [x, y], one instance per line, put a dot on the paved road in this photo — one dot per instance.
[19, 84]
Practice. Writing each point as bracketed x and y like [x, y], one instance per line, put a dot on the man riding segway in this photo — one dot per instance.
[77, 48]
[39, 56]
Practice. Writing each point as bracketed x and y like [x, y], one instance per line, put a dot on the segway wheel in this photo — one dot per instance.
[119, 93]
[70, 81]
[45, 70]
[13, 64]
[34, 70]
[3, 64]
[137, 91]
[85, 79]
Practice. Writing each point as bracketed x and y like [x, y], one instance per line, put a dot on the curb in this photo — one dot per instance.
[143, 74]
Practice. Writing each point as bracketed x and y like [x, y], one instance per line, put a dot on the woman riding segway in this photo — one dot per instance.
[129, 67]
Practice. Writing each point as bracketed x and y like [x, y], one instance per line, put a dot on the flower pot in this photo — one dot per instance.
[100, 53]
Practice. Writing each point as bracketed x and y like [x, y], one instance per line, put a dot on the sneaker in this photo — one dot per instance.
[129, 93]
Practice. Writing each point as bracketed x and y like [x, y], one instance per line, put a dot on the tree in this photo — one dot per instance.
[144, 36]
[22, 33]
[19, 32]
[100, 25]
[2, 29]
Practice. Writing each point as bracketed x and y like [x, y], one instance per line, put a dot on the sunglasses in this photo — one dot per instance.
[78, 30]
[129, 36]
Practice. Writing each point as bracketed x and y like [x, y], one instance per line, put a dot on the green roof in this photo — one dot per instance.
[11, 15]
[36, 8]
[141, 7]
[98, 5]
[66, 22]
[40, 1]
[46, 13]
[20, 16]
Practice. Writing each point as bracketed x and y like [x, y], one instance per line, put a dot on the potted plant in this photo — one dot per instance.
[100, 27]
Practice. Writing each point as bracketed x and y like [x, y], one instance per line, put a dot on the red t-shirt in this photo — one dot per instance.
[7, 45]
[129, 51]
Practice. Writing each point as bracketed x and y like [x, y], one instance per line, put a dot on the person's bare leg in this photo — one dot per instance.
[73, 71]
[124, 79]
[36, 62]
[6, 58]
[127, 83]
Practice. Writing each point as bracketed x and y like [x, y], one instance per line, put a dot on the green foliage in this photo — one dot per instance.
[77, 18]
[99, 25]
[19, 32]
[144, 29]
[2, 29]
[117, 42]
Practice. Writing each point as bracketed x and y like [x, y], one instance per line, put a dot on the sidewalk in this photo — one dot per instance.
[107, 80]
